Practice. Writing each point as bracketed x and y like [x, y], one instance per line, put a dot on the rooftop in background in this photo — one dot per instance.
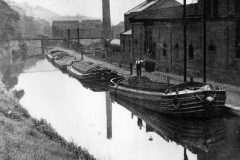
[129, 32]
[154, 4]
[115, 42]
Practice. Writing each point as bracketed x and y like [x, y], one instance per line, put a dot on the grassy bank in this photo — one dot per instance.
[25, 138]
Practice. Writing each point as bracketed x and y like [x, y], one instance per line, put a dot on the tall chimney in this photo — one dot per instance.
[107, 32]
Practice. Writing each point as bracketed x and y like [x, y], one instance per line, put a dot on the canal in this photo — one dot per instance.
[112, 128]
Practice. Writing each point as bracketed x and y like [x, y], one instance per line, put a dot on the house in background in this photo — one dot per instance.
[59, 28]
[156, 29]
[90, 28]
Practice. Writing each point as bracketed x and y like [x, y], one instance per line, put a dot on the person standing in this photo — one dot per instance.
[140, 66]
[137, 66]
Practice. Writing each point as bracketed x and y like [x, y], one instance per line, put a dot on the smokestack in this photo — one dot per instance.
[107, 32]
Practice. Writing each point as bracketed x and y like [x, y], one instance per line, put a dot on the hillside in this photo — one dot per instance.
[42, 13]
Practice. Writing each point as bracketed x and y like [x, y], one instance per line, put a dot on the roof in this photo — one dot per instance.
[129, 32]
[164, 9]
[142, 6]
[154, 5]
[115, 42]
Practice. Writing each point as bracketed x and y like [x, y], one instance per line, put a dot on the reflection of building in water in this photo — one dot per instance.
[109, 115]
[198, 136]
[230, 149]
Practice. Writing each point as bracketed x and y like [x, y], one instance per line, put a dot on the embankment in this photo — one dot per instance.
[23, 137]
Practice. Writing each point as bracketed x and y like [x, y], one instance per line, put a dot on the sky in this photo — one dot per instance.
[90, 8]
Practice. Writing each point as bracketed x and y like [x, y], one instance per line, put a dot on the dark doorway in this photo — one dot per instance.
[191, 52]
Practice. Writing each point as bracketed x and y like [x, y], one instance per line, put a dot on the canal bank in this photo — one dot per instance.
[24, 137]
[21, 135]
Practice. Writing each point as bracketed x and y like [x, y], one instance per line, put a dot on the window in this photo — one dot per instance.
[238, 39]
[211, 47]
[176, 51]
[191, 52]
[238, 51]
[164, 50]
[129, 46]
[208, 7]
[237, 6]
[153, 55]
[123, 45]
[148, 40]
[176, 46]
[215, 8]
[211, 56]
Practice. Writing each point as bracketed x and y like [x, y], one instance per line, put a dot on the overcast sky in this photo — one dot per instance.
[91, 8]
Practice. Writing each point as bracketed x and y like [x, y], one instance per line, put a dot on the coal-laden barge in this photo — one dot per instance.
[89, 72]
[187, 99]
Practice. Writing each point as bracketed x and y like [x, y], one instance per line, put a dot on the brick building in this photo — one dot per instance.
[157, 33]
[87, 28]
[59, 28]
[90, 28]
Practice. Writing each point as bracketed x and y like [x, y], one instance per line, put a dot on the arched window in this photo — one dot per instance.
[211, 56]
[164, 50]
[191, 52]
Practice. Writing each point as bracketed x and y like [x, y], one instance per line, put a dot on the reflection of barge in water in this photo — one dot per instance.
[95, 86]
[199, 136]
[187, 99]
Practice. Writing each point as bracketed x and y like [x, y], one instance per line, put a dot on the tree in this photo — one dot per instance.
[8, 19]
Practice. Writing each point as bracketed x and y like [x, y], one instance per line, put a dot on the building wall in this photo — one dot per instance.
[126, 49]
[168, 37]
[87, 29]
[223, 57]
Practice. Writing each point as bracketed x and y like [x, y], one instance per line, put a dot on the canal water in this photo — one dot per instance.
[112, 128]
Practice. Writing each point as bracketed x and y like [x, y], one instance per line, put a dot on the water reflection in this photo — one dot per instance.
[121, 130]
[14, 68]
[109, 115]
[95, 86]
[211, 139]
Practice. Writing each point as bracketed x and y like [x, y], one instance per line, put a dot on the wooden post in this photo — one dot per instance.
[204, 41]
[78, 36]
[131, 69]
[69, 38]
[82, 53]
[42, 46]
[185, 40]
